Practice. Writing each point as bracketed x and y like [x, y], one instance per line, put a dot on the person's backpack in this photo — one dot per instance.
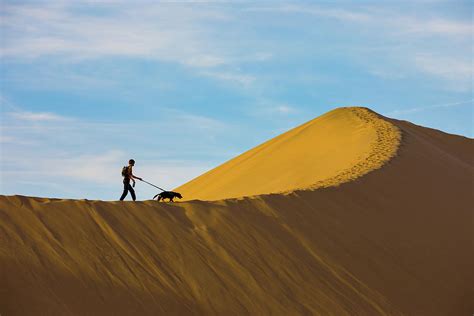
[125, 171]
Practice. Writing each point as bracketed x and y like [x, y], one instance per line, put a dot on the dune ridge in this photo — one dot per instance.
[337, 147]
[396, 241]
[383, 149]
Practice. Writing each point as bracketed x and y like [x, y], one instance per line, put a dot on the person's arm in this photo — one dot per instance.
[132, 176]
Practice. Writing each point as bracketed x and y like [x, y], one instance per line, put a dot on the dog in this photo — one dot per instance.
[167, 195]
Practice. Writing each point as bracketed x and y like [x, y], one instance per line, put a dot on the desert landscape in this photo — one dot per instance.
[351, 213]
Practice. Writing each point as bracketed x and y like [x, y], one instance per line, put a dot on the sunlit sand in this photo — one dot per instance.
[334, 148]
[349, 214]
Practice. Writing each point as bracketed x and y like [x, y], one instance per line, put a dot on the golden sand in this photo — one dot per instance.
[397, 241]
[335, 148]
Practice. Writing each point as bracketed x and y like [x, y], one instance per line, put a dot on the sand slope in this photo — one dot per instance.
[337, 147]
[396, 241]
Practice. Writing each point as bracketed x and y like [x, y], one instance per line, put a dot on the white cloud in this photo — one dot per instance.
[457, 70]
[405, 28]
[182, 119]
[389, 20]
[285, 109]
[239, 78]
[204, 61]
[386, 74]
[343, 15]
[166, 32]
[151, 32]
[193, 36]
[271, 110]
[97, 168]
[405, 111]
[7, 139]
[105, 168]
[426, 27]
[37, 116]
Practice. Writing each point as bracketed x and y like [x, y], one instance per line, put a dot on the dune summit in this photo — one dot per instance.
[387, 232]
[337, 147]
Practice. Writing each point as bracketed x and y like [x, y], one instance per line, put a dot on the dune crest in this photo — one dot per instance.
[337, 147]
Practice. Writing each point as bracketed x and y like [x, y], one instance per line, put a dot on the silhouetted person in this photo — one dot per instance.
[127, 174]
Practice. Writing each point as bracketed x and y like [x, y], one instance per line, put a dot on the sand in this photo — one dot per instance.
[335, 148]
[395, 240]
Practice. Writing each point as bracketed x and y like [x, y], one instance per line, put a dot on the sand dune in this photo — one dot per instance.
[337, 147]
[393, 237]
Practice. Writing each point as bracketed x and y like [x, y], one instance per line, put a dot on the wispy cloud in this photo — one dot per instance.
[387, 20]
[162, 32]
[7, 139]
[428, 107]
[96, 168]
[182, 119]
[342, 15]
[458, 71]
[285, 109]
[239, 78]
[150, 32]
[402, 29]
[70, 176]
[427, 27]
[38, 116]
[272, 110]
[197, 35]
[72, 152]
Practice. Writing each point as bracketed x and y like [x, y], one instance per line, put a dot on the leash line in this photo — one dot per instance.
[153, 185]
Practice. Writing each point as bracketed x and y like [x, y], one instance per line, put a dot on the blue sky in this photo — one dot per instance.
[182, 87]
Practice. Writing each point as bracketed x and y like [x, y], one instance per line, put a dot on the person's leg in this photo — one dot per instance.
[132, 192]
[126, 184]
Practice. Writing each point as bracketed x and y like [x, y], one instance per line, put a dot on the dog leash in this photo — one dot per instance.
[153, 185]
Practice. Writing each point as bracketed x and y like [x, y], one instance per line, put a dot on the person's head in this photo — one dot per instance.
[131, 162]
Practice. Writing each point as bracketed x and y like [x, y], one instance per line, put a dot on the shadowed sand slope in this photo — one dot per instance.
[396, 241]
[334, 148]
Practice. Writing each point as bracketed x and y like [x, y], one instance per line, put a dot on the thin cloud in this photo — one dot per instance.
[74, 152]
[37, 116]
[182, 119]
[150, 32]
[98, 168]
[192, 36]
[343, 15]
[7, 139]
[241, 79]
[271, 110]
[285, 109]
[404, 28]
[66, 176]
[394, 22]
[427, 108]
[163, 32]
[455, 70]
[434, 26]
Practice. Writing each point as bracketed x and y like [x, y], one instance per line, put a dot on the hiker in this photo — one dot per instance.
[127, 176]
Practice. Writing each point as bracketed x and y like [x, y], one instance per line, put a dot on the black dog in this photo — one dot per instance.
[167, 195]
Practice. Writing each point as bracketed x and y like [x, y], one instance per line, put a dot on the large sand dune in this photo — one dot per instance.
[337, 147]
[387, 232]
